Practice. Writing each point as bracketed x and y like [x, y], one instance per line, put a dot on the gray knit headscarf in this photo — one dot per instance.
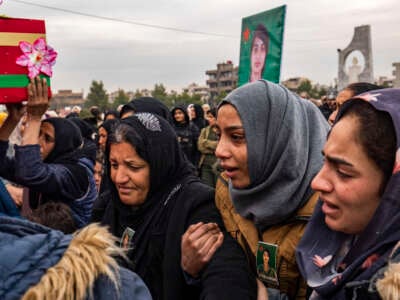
[285, 135]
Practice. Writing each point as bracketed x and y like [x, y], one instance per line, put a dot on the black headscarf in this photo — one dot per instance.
[89, 145]
[111, 113]
[155, 142]
[183, 110]
[199, 120]
[149, 105]
[67, 151]
[109, 125]
[68, 141]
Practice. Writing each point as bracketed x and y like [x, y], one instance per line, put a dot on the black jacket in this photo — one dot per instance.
[227, 276]
[188, 134]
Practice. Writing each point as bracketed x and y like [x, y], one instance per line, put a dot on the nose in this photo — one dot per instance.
[222, 151]
[332, 117]
[120, 176]
[321, 182]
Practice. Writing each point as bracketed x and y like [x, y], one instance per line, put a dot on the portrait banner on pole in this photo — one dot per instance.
[261, 46]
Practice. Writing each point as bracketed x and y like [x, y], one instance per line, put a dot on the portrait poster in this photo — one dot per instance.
[261, 46]
[266, 260]
[126, 239]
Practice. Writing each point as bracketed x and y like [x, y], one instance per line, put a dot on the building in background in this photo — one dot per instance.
[396, 74]
[294, 83]
[65, 98]
[195, 89]
[113, 95]
[385, 81]
[222, 80]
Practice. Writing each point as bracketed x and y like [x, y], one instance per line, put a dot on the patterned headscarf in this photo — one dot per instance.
[367, 252]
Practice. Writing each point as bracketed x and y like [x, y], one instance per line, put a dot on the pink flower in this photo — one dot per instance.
[38, 57]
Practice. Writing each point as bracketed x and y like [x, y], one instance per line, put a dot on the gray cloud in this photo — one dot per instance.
[129, 56]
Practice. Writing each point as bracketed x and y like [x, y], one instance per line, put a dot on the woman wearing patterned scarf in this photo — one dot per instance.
[154, 198]
[356, 222]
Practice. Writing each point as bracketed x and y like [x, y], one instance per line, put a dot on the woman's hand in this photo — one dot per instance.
[16, 194]
[262, 293]
[38, 100]
[199, 244]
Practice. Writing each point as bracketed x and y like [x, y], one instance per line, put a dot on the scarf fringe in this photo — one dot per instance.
[89, 255]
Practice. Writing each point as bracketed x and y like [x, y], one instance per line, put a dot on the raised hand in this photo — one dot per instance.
[38, 100]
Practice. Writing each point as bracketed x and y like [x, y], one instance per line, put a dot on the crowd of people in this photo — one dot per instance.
[266, 196]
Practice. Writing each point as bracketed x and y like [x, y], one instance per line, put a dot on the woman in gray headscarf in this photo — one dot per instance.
[270, 147]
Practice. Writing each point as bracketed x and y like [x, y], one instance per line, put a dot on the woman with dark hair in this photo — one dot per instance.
[197, 116]
[207, 143]
[356, 222]
[259, 52]
[187, 134]
[111, 114]
[105, 129]
[146, 104]
[154, 198]
[348, 92]
[49, 161]
[89, 146]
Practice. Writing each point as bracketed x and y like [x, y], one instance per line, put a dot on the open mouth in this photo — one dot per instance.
[329, 209]
[230, 172]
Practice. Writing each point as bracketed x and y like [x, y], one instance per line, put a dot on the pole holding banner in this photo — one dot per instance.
[261, 46]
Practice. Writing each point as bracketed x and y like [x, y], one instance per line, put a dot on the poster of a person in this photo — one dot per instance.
[266, 263]
[261, 46]
[259, 52]
[126, 238]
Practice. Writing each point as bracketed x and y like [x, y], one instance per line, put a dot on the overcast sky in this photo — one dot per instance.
[131, 56]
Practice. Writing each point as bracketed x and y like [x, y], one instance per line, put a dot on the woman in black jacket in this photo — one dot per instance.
[188, 134]
[154, 199]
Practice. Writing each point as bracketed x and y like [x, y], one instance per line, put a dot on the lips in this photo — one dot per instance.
[124, 190]
[329, 209]
[230, 171]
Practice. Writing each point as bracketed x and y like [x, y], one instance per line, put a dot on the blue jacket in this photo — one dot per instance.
[52, 182]
[28, 250]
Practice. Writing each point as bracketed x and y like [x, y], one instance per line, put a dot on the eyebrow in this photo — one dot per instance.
[234, 127]
[337, 160]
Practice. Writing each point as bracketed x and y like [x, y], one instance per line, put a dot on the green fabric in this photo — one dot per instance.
[17, 81]
[274, 21]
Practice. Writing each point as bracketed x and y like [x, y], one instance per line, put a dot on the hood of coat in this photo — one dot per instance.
[40, 260]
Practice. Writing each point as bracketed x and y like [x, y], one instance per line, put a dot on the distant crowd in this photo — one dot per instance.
[269, 195]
